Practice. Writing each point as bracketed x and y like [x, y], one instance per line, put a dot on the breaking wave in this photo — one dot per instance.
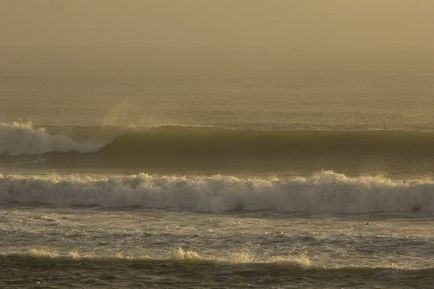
[178, 255]
[40, 266]
[326, 192]
[179, 149]
[24, 139]
[185, 257]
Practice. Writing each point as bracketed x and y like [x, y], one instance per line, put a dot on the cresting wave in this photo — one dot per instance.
[42, 269]
[178, 255]
[326, 192]
[179, 149]
[22, 139]
[191, 258]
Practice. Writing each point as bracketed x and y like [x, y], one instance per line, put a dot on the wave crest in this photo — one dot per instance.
[179, 255]
[326, 192]
[192, 149]
[21, 138]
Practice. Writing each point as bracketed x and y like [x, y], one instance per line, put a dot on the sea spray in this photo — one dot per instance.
[23, 139]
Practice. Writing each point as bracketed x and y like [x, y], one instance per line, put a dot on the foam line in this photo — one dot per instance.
[326, 192]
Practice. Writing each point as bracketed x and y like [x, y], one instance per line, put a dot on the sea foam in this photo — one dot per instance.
[326, 192]
[21, 138]
[179, 255]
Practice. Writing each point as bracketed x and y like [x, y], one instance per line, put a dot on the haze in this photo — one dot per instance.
[299, 24]
[239, 63]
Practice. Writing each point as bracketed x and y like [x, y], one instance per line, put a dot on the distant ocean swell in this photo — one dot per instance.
[205, 148]
[326, 192]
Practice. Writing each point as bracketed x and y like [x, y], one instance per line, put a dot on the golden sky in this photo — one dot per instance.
[295, 23]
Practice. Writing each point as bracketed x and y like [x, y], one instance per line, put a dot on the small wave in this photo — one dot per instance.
[192, 258]
[23, 139]
[191, 269]
[326, 192]
[179, 255]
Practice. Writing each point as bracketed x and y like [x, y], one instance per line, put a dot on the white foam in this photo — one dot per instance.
[327, 192]
[42, 253]
[243, 257]
[179, 255]
[24, 139]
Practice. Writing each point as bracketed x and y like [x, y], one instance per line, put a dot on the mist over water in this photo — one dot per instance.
[248, 88]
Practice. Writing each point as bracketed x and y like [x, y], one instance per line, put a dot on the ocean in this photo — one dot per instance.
[285, 178]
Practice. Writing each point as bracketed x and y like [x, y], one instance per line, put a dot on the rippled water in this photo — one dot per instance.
[85, 247]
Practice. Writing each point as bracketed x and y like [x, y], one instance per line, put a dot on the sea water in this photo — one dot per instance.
[276, 179]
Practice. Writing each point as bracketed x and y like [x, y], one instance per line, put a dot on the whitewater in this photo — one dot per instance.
[21, 138]
[327, 192]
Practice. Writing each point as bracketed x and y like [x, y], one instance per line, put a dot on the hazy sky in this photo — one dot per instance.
[296, 23]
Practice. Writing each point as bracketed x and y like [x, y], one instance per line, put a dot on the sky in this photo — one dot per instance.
[172, 23]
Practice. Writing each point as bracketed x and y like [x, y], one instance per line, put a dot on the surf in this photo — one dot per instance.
[21, 138]
[173, 149]
[326, 192]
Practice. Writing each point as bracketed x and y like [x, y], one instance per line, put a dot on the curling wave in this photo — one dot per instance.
[175, 149]
[326, 192]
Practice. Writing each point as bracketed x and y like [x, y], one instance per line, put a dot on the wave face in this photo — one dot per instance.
[327, 192]
[23, 139]
[46, 268]
[182, 149]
